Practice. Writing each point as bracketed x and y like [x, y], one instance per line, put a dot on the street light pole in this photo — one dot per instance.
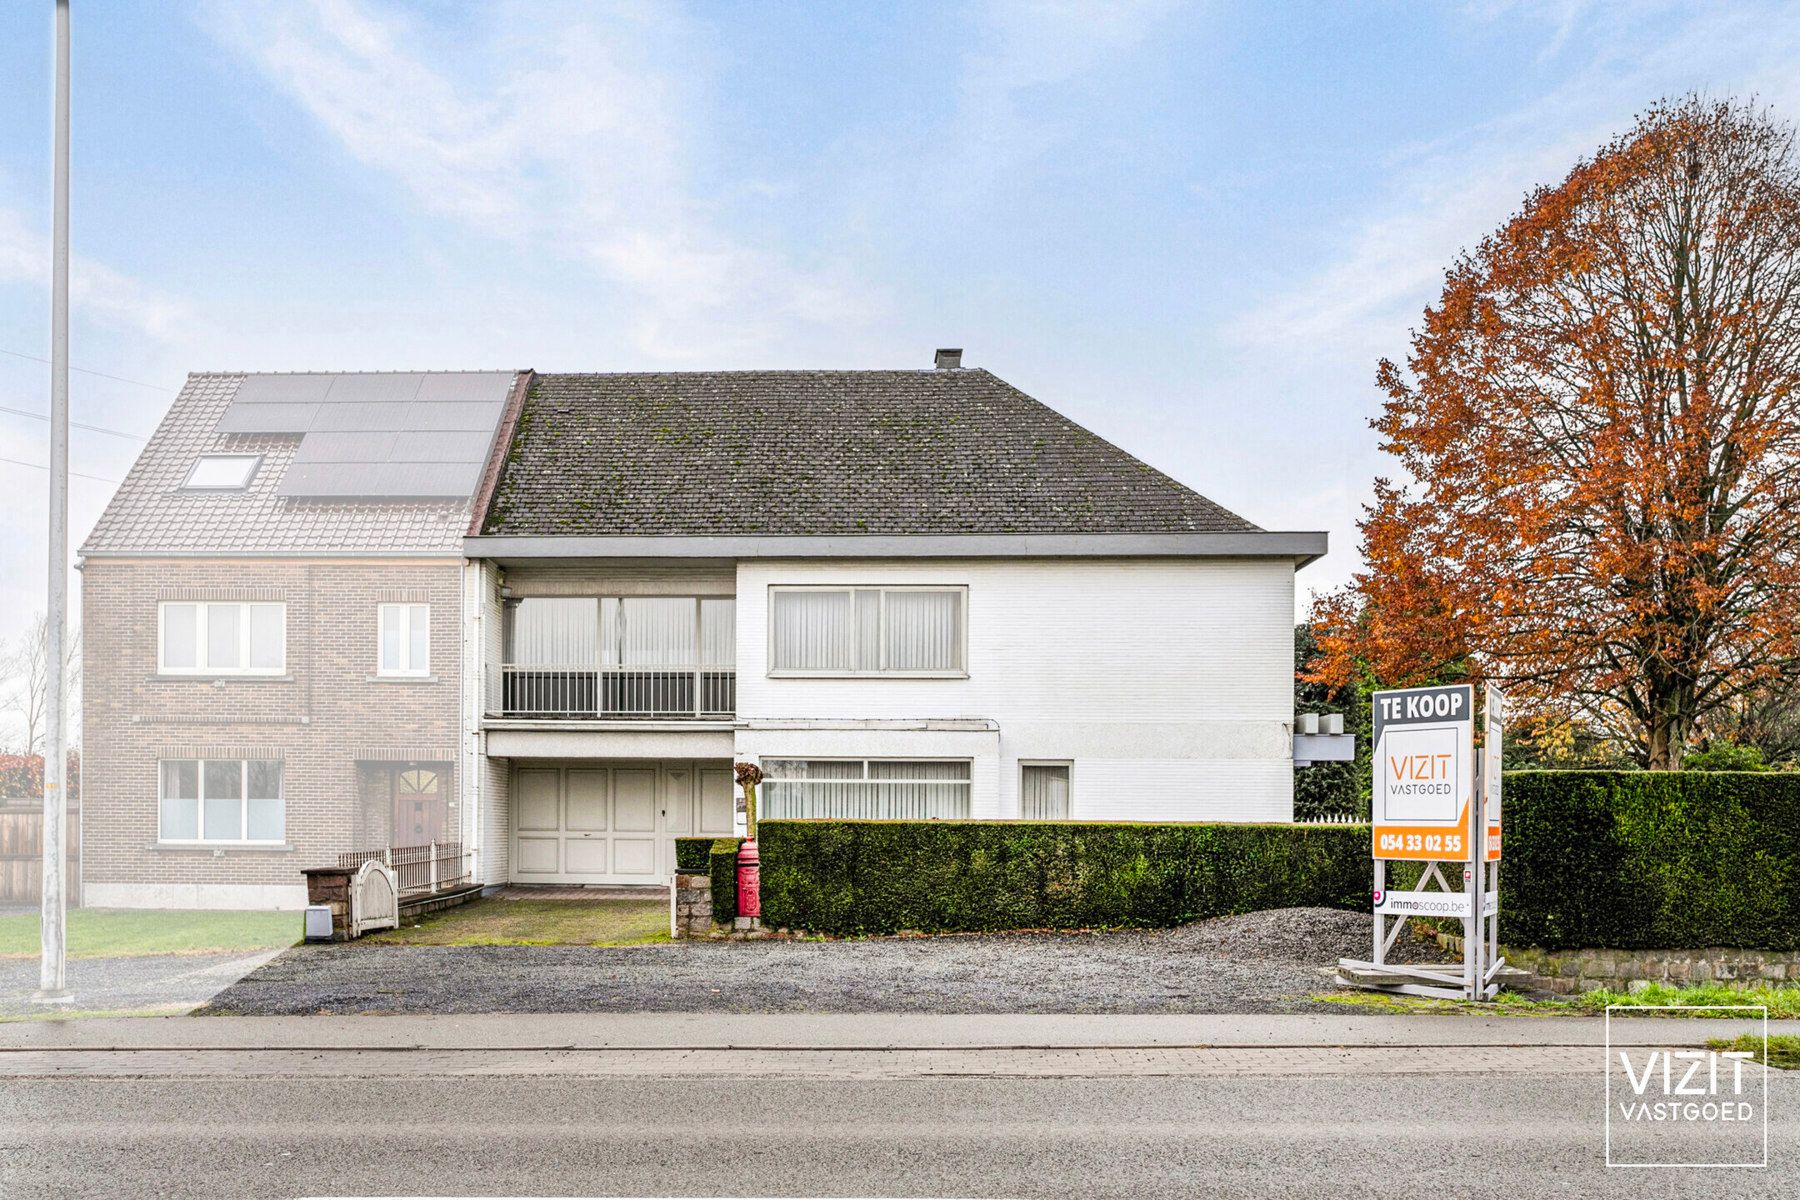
[52, 980]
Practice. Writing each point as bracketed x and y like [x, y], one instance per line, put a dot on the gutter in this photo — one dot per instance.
[1301, 546]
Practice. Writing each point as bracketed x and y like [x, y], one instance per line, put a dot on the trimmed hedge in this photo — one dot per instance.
[1636, 860]
[1605, 859]
[722, 866]
[863, 877]
[693, 854]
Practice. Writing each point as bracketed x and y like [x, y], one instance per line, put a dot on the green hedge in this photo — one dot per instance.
[693, 853]
[1642, 860]
[860, 877]
[1604, 859]
[722, 865]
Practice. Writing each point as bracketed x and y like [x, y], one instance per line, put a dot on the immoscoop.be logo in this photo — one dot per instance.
[1679, 1106]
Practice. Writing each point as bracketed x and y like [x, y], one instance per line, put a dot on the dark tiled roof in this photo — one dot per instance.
[822, 452]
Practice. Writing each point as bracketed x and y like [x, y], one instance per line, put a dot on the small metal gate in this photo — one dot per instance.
[374, 898]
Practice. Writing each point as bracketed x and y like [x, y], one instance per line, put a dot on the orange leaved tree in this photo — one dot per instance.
[1600, 419]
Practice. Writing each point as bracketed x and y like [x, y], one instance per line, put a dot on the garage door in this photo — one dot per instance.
[587, 825]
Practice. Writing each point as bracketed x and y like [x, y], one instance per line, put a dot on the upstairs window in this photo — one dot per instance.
[891, 631]
[222, 638]
[405, 639]
[222, 472]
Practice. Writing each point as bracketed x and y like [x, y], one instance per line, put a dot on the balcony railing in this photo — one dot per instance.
[612, 693]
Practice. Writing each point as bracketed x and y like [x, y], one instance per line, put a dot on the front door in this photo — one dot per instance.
[588, 824]
[418, 800]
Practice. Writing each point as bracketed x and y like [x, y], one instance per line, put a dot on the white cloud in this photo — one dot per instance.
[110, 297]
[1021, 49]
[1442, 197]
[560, 134]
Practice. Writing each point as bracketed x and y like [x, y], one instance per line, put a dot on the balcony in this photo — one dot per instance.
[585, 693]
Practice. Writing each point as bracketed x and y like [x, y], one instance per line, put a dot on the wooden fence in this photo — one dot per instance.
[22, 853]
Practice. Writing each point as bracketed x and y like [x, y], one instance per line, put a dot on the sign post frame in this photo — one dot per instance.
[1430, 805]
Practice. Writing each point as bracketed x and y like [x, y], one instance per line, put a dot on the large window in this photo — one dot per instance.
[405, 639]
[876, 789]
[621, 656]
[622, 631]
[903, 631]
[222, 800]
[222, 638]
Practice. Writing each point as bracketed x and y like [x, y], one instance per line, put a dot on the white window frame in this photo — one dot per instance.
[200, 638]
[252, 461]
[1067, 763]
[882, 590]
[200, 803]
[381, 668]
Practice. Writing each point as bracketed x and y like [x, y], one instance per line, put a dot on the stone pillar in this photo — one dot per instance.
[693, 904]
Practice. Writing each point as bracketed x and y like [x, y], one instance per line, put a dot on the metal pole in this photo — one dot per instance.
[52, 980]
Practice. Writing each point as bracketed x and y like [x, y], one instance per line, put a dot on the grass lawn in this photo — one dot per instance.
[1782, 1002]
[496, 922]
[135, 932]
[1784, 1048]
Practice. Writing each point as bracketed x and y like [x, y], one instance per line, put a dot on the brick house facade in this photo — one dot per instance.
[323, 569]
[346, 736]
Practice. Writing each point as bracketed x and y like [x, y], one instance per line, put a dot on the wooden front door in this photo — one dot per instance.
[418, 793]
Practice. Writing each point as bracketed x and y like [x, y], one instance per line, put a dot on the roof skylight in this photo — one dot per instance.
[222, 472]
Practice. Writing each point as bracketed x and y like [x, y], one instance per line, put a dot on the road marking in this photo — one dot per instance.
[1094, 1062]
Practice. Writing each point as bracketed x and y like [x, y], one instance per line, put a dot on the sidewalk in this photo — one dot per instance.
[842, 1031]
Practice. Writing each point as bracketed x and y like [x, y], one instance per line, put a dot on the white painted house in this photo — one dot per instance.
[905, 594]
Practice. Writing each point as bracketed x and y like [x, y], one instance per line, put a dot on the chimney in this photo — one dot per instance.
[949, 360]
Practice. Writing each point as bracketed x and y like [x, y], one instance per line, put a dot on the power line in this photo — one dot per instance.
[21, 412]
[19, 462]
[155, 387]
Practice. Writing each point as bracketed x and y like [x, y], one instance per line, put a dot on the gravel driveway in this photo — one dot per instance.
[1266, 962]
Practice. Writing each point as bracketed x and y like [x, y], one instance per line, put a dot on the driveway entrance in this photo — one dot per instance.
[612, 823]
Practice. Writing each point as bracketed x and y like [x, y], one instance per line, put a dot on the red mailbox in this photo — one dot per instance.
[749, 898]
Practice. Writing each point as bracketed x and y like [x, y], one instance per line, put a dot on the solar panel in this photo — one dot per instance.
[373, 389]
[267, 418]
[282, 389]
[404, 435]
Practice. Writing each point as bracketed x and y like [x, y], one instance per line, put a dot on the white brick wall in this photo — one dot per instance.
[1168, 683]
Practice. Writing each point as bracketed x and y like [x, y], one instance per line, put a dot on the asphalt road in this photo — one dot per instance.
[1333, 1134]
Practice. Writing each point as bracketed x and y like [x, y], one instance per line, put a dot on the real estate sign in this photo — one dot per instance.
[1424, 785]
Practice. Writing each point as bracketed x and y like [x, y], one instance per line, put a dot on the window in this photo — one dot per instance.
[210, 638]
[902, 631]
[222, 472]
[877, 789]
[222, 800]
[405, 639]
[1044, 791]
[621, 656]
[627, 631]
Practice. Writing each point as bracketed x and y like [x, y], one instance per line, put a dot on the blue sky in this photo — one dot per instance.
[1194, 228]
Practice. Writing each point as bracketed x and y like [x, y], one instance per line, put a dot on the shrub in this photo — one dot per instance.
[861, 877]
[722, 866]
[1725, 756]
[693, 854]
[1651, 859]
